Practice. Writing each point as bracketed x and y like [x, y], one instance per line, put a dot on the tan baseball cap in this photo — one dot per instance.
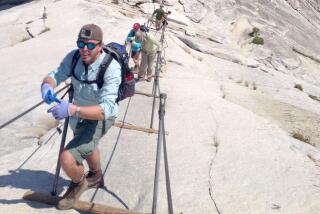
[90, 31]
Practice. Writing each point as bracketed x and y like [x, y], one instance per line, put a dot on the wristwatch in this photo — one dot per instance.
[77, 111]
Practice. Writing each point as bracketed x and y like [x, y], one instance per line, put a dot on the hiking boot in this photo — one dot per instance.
[95, 179]
[72, 195]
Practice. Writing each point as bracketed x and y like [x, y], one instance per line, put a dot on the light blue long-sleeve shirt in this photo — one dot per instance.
[89, 94]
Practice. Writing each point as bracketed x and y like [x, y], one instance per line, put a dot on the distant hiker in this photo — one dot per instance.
[92, 112]
[44, 14]
[160, 15]
[134, 37]
[165, 18]
[149, 49]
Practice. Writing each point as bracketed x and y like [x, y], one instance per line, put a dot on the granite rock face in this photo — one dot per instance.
[243, 119]
[285, 26]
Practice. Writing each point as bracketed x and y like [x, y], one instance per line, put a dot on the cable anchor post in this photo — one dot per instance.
[62, 144]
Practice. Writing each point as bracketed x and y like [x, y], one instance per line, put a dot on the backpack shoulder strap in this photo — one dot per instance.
[102, 69]
[75, 58]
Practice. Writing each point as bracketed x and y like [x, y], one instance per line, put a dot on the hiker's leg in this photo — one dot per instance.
[93, 160]
[78, 183]
[161, 23]
[158, 24]
[135, 59]
[95, 176]
[72, 195]
[143, 64]
[87, 135]
[151, 58]
[73, 169]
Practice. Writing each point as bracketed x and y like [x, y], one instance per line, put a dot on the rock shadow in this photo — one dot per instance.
[35, 180]
[7, 4]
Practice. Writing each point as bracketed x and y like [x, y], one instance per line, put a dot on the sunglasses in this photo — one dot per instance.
[90, 45]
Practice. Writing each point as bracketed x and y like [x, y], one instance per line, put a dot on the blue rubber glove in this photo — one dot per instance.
[47, 94]
[61, 110]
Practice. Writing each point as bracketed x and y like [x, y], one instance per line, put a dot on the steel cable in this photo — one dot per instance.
[28, 110]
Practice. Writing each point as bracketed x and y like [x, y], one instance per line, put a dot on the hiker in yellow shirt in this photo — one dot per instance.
[149, 49]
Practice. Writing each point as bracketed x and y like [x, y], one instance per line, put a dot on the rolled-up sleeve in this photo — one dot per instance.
[63, 71]
[109, 91]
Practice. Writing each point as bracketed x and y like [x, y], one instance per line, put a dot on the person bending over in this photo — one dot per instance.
[134, 38]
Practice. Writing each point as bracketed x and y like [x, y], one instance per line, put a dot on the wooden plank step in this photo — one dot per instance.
[137, 128]
[79, 205]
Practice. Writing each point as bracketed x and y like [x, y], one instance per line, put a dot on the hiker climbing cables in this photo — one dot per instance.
[160, 15]
[92, 112]
[149, 48]
[134, 38]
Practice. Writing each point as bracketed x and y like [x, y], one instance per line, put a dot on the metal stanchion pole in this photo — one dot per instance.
[157, 74]
[165, 157]
[162, 34]
[157, 168]
[63, 140]
[162, 37]
[155, 86]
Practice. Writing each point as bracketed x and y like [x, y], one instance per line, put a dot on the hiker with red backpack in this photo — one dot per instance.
[134, 38]
[92, 112]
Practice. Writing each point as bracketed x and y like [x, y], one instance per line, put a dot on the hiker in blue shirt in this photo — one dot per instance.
[91, 114]
[134, 38]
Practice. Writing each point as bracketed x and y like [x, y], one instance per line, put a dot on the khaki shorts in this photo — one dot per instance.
[87, 136]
